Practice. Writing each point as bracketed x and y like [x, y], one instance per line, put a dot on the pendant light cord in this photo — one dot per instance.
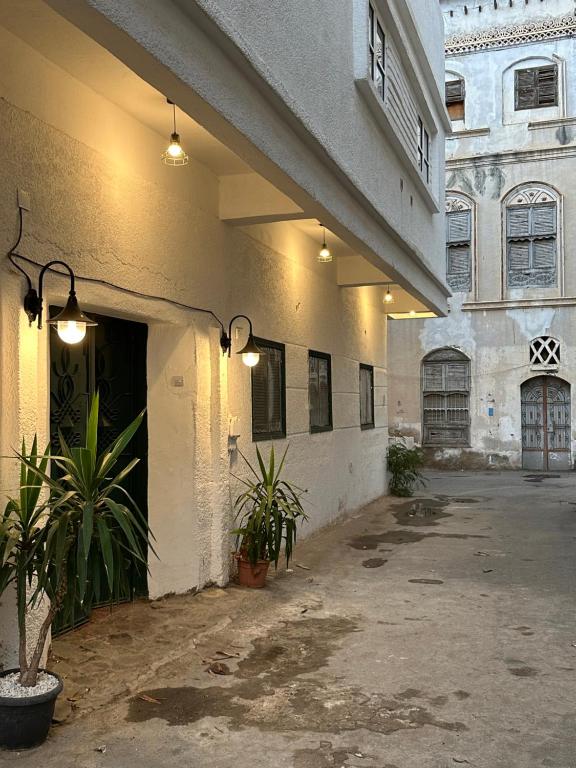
[12, 254]
[174, 116]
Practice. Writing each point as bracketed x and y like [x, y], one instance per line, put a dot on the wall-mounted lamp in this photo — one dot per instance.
[250, 351]
[174, 154]
[71, 323]
[388, 296]
[324, 255]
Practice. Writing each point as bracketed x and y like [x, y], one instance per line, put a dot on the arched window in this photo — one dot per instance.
[459, 241]
[532, 218]
[446, 398]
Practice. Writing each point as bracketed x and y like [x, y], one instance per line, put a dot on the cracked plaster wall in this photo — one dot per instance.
[102, 201]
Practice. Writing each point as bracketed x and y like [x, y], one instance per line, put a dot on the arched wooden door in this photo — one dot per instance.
[546, 423]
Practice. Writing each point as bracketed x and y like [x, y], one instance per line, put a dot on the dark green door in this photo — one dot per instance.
[112, 361]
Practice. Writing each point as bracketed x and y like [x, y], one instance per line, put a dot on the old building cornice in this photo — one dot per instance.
[513, 34]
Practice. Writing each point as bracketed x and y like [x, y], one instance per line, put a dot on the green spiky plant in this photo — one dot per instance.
[404, 464]
[91, 529]
[268, 512]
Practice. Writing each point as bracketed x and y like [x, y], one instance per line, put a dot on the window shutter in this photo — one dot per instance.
[547, 86]
[323, 393]
[544, 254]
[433, 379]
[458, 226]
[454, 90]
[456, 376]
[543, 219]
[519, 221]
[366, 396]
[526, 88]
[518, 256]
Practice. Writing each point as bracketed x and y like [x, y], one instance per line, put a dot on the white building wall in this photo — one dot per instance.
[491, 152]
[102, 201]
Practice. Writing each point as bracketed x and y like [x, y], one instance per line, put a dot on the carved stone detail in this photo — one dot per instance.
[515, 34]
[454, 203]
[531, 195]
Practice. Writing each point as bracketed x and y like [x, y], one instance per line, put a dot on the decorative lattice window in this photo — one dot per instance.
[545, 350]
[446, 398]
[531, 237]
[459, 244]
[377, 51]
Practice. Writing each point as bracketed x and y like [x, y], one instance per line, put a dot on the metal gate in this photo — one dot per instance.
[112, 360]
[546, 423]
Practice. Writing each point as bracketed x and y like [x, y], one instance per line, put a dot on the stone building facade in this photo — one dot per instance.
[292, 115]
[490, 385]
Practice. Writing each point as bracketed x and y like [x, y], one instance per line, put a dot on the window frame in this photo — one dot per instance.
[530, 238]
[315, 429]
[370, 370]
[455, 102]
[279, 434]
[444, 357]
[467, 242]
[535, 104]
[424, 147]
[376, 26]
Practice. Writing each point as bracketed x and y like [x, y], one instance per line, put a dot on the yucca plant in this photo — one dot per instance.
[92, 530]
[268, 512]
[404, 465]
[22, 543]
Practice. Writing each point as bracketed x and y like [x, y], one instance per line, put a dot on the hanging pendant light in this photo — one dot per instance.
[174, 154]
[324, 256]
[388, 297]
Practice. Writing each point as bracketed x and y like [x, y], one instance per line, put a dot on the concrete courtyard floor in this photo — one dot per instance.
[433, 632]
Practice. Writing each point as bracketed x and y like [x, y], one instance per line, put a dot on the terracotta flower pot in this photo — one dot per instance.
[253, 576]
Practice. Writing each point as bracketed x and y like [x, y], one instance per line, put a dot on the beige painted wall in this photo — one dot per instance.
[102, 201]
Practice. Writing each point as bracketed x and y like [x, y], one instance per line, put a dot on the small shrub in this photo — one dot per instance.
[404, 465]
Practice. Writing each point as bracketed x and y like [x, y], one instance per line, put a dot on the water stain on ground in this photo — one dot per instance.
[425, 581]
[421, 512]
[325, 756]
[460, 694]
[373, 540]
[540, 478]
[274, 690]
[523, 671]
[526, 631]
[374, 562]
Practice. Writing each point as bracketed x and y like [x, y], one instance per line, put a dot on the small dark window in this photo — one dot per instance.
[376, 47]
[455, 96]
[269, 392]
[536, 87]
[458, 250]
[366, 396]
[424, 151]
[320, 391]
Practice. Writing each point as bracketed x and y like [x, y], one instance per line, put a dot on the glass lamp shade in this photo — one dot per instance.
[71, 323]
[324, 256]
[388, 297]
[174, 154]
[250, 353]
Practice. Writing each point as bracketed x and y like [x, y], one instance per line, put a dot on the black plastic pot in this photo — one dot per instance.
[25, 722]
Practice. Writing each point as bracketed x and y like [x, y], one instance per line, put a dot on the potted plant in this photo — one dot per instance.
[404, 465]
[63, 549]
[268, 512]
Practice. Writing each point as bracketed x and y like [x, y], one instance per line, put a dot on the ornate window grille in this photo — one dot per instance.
[446, 398]
[545, 350]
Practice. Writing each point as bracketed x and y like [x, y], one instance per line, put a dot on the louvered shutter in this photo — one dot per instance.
[547, 86]
[526, 92]
[518, 221]
[458, 226]
[518, 256]
[268, 393]
[433, 377]
[454, 90]
[543, 219]
[456, 376]
[459, 267]
[319, 391]
[324, 393]
[544, 254]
